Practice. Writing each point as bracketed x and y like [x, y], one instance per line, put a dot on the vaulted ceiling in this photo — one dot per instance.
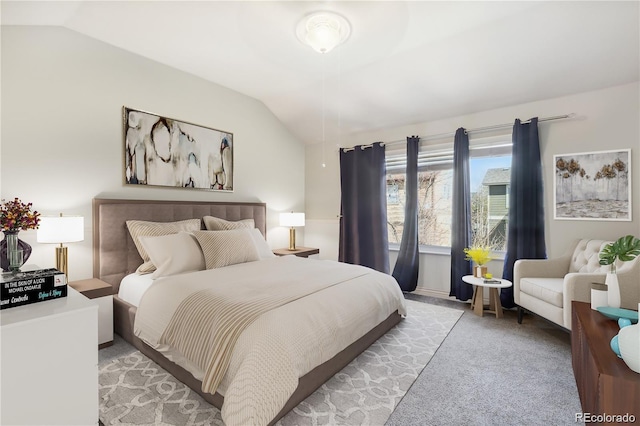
[404, 63]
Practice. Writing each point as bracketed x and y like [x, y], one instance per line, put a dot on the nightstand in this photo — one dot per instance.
[300, 252]
[101, 293]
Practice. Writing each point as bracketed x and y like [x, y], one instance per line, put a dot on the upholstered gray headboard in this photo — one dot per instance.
[114, 253]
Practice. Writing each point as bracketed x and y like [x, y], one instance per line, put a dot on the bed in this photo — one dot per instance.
[116, 258]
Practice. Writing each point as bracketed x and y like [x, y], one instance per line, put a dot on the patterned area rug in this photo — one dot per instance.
[136, 391]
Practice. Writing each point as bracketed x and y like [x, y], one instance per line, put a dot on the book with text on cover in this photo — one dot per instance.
[23, 288]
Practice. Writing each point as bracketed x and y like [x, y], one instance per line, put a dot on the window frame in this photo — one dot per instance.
[437, 156]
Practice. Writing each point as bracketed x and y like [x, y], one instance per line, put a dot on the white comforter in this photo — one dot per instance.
[281, 345]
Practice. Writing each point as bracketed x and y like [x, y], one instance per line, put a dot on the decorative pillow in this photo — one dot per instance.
[140, 228]
[174, 254]
[216, 224]
[263, 249]
[224, 248]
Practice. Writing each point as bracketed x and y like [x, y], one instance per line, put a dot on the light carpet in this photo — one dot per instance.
[136, 391]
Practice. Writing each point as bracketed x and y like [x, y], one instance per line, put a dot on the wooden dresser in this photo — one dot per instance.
[605, 384]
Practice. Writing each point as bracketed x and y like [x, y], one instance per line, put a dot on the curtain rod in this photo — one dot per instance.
[467, 131]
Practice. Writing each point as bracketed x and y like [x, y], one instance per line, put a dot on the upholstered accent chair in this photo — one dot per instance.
[546, 287]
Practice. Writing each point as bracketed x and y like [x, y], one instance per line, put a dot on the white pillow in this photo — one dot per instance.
[174, 254]
[263, 249]
[223, 248]
[216, 224]
[141, 228]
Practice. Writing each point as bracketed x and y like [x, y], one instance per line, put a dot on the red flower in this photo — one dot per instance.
[16, 215]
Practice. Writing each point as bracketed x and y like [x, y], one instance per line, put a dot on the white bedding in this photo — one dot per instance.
[284, 344]
[133, 286]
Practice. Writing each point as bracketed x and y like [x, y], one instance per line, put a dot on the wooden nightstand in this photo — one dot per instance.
[101, 293]
[300, 252]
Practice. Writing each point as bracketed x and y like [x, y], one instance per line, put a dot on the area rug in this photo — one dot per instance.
[136, 391]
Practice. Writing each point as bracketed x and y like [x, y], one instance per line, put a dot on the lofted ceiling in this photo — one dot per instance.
[404, 63]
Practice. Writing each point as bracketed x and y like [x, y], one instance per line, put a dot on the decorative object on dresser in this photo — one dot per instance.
[162, 151]
[605, 384]
[593, 186]
[14, 217]
[23, 288]
[292, 220]
[59, 230]
[101, 293]
[624, 249]
[629, 344]
[49, 362]
[298, 251]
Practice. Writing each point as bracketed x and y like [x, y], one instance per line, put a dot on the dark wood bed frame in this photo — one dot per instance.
[115, 256]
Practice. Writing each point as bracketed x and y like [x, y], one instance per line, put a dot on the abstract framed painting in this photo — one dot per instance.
[162, 151]
[593, 185]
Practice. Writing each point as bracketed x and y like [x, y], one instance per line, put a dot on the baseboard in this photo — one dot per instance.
[432, 293]
[440, 294]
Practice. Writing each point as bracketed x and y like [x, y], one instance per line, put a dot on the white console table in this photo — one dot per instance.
[49, 362]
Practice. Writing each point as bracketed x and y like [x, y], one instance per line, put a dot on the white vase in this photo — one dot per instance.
[629, 344]
[613, 290]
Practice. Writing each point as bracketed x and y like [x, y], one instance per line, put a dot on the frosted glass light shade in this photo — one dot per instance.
[292, 219]
[61, 229]
[323, 31]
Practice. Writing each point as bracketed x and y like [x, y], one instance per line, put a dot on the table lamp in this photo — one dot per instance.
[60, 230]
[292, 220]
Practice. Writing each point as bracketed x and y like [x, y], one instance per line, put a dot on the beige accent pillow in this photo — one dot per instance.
[141, 228]
[224, 248]
[174, 254]
[216, 224]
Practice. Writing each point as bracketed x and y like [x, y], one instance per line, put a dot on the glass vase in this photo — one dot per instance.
[13, 251]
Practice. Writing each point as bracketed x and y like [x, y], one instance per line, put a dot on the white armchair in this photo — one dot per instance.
[546, 287]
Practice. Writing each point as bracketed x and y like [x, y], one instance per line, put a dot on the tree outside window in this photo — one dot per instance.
[489, 203]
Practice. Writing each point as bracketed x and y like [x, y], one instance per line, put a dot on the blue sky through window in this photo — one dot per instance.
[479, 166]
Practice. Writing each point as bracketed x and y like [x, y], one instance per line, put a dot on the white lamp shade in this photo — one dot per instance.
[61, 229]
[292, 219]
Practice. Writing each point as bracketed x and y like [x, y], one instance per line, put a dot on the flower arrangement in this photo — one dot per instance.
[480, 255]
[16, 215]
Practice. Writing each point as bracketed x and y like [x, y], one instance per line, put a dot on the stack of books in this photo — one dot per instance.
[491, 281]
[23, 288]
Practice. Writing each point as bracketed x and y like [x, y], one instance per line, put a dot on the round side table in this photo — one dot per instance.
[477, 304]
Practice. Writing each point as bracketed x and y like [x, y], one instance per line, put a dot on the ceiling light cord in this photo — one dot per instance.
[324, 163]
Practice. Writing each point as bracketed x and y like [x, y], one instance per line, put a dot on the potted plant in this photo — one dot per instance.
[479, 255]
[624, 249]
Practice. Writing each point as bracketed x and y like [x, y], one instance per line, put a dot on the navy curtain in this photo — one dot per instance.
[525, 236]
[363, 220]
[406, 269]
[460, 217]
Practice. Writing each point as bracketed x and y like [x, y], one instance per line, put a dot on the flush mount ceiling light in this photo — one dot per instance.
[323, 30]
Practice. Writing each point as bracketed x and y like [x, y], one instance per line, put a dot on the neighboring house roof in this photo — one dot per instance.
[499, 176]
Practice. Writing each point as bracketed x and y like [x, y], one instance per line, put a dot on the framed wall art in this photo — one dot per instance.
[162, 151]
[593, 185]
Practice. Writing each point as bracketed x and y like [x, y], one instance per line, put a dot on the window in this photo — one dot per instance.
[490, 172]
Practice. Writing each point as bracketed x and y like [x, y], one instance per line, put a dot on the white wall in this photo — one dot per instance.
[606, 119]
[62, 142]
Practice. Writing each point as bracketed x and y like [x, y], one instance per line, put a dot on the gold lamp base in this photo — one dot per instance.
[61, 260]
[292, 239]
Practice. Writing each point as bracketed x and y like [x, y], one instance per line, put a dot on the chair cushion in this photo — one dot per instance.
[586, 257]
[545, 289]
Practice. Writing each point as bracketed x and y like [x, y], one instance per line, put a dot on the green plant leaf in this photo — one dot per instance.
[625, 248]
